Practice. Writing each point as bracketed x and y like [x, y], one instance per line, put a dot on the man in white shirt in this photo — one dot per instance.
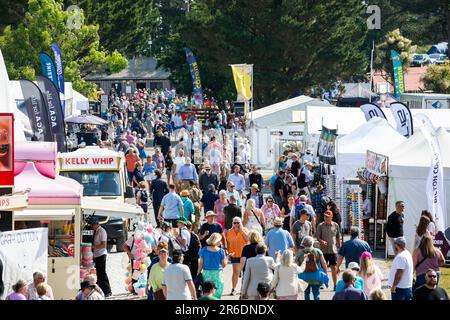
[177, 282]
[184, 236]
[32, 294]
[237, 179]
[401, 274]
[178, 121]
[308, 157]
[178, 162]
[100, 252]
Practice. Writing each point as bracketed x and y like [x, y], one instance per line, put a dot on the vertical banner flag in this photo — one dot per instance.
[327, 146]
[48, 68]
[372, 110]
[6, 150]
[435, 184]
[59, 67]
[36, 110]
[195, 74]
[403, 117]
[22, 252]
[55, 111]
[399, 80]
[242, 74]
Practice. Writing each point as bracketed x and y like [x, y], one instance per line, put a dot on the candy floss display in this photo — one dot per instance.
[144, 243]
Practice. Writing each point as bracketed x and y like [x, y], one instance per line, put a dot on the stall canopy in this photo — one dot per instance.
[47, 191]
[376, 135]
[291, 110]
[109, 208]
[347, 120]
[409, 165]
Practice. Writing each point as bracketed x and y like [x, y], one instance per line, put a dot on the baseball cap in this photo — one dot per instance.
[254, 186]
[85, 284]
[366, 255]
[353, 265]
[165, 225]
[183, 220]
[177, 253]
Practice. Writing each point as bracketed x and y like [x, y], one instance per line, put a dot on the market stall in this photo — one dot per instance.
[409, 166]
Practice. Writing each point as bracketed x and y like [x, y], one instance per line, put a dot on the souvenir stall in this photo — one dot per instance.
[377, 135]
[409, 168]
[374, 180]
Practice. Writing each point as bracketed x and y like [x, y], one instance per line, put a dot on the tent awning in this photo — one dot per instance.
[108, 208]
[41, 214]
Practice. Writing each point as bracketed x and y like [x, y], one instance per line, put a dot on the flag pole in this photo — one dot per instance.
[251, 105]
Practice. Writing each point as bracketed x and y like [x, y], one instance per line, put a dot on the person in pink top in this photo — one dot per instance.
[271, 211]
[370, 273]
[20, 291]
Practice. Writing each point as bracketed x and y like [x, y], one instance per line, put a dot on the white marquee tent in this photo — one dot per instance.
[376, 135]
[409, 165]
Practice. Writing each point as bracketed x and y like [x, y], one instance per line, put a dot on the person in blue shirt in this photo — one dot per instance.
[188, 205]
[171, 208]
[358, 284]
[149, 168]
[278, 239]
[352, 249]
[272, 183]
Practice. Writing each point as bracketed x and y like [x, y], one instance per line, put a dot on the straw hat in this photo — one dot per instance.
[214, 239]
[185, 193]
[210, 214]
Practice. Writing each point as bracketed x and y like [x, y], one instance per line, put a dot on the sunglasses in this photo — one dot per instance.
[232, 186]
[432, 276]
[269, 200]
[236, 222]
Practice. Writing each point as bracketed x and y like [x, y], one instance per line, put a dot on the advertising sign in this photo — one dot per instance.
[72, 163]
[6, 150]
[376, 163]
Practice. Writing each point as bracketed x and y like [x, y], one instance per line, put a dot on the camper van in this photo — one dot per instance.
[102, 173]
[426, 100]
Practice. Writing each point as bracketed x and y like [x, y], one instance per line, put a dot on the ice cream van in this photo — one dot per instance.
[102, 172]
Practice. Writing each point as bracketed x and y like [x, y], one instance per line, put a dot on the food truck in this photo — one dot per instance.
[103, 174]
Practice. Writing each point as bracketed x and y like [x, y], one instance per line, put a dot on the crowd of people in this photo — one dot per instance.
[212, 208]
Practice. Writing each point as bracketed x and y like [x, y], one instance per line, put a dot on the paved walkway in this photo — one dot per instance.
[116, 263]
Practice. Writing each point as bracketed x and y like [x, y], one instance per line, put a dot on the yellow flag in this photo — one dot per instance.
[242, 74]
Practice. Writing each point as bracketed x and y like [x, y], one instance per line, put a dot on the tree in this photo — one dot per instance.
[437, 79]
[393, 40]
[12, 12]
[292, 44]
[45, 22]
[124, 25]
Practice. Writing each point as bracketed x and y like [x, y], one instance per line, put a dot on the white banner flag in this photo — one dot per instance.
[403, 118]
[372, 110]
[22, 252]
[435, 181]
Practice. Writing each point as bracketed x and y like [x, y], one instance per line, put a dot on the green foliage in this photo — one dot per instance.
[124, 25]
[393, 40]
[437, 78]
[423, 49]
[292, 44]
[45, 22]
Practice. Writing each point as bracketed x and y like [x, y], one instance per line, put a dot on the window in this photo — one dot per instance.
[97, 183]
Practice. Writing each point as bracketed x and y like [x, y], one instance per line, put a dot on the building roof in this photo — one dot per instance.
[142, 68]
[412, 76]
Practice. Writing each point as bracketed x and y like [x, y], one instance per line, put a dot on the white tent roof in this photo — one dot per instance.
[376, 135]
[281, 112]
[348, 119]
[412, 159]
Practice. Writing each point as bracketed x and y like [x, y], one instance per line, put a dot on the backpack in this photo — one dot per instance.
[311, 262]
[174, 244]
[144, 196]
[298, 208]
[194, 245]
